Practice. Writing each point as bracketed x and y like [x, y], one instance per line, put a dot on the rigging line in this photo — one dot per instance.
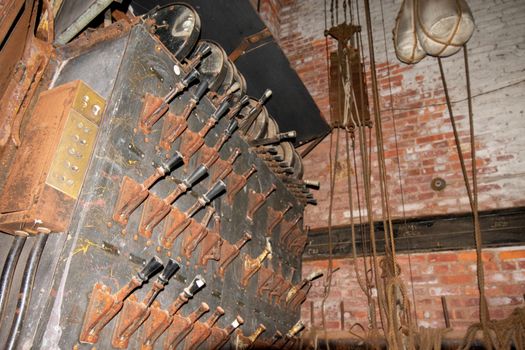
[344, 11]
[368, 201]
[484, 317]
[351, 208]
[398, 160]
[477, 229]
[364, 248]
[379, 137]
[329, 274]
[362, 284]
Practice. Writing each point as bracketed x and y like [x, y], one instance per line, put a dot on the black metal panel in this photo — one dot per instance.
[228, 22]
[451, 232]
[83, 262]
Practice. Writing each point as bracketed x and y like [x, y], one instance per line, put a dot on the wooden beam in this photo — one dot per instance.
[503, 227]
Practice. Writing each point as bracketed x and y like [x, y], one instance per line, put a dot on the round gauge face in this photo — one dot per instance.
[273, 128]
[212, 66]
[297, 165]
[228, 78]
[177, 26]
[239, 78]
[257, 129]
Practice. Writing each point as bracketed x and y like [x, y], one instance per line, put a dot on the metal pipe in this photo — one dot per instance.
[24, 296]
[8, 271]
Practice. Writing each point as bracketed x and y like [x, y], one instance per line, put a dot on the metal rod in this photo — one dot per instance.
[24, 296]
[342, 312]
[312, 319]
[314, 143]
[445, 311]
[8, 271]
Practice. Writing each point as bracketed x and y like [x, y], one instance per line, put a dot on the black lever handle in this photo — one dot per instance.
[171, 269]
[221, 110]
[190, 77]
[231, 127]
[197, 284]
[150, 269]
[197, 174]
[214, 191]
[172, 163]
[200, 91]
[265, 96]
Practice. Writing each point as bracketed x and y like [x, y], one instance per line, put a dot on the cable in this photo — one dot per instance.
[8, 271]
[24, 296]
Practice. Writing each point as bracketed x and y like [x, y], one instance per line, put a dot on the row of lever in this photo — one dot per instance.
[133, 194]
[132, 313]
[154, 108]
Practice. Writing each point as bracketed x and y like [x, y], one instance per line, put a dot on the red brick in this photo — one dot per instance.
[457, 279]
[442, 257]
[512, 255]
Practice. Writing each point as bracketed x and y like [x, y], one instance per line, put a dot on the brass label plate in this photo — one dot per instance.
[89, 103]
[73, 153]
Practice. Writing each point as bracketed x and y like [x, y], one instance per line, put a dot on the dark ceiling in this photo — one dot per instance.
[265, 66]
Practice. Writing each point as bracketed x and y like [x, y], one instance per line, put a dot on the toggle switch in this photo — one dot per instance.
[181, 326]
[219, 336]
[275, 217]
[202, 330]
[229, 252]
[132, 194]
[211, 245]
[256, 200]
[155, 107]
[197, 57]
[254, 112]
[134, 313]
[209, 155]
[243, 342]
[175, 125]
[237, 182]
[238, 106]
[156, 209]
[160, 320]
[223, 168]
[193, 141]
[197, 232]
[178, 221]
[252, 265]
[103, 305]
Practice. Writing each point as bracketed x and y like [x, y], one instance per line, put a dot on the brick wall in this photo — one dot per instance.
[425, 150]
[424, 136]
[428, 276]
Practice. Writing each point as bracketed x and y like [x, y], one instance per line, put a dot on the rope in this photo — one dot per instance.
[448, 41]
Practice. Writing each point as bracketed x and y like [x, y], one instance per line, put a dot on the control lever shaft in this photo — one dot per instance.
[160, 319]
[134, 313]
[103, 306]
[154, 107]
[156, 209]
[132, 194]
[178, 221]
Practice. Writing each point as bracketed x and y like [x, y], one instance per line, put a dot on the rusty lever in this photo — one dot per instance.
[178, 221]
[134, 313]
[160, 319]
[174, 125]
[219, 336]
[230, 252]
[156, 209]
[202, 330]
[154, 107]
[132, 194]
[103, 306]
